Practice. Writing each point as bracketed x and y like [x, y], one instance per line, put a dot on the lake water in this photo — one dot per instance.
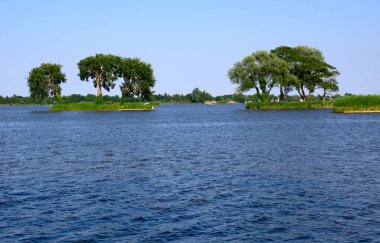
[189, 173]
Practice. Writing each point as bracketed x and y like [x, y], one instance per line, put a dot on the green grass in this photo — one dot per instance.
[289, 105]
[357, 103]
[102, 107]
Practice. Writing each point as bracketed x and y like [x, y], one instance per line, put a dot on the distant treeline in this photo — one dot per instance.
[197, 96]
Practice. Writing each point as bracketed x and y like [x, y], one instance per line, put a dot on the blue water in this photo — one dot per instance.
[189, 173]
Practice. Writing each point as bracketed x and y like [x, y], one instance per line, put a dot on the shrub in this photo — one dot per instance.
[99, 100]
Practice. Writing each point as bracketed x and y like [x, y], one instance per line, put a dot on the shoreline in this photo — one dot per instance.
[359, 112]
[294, 105]
[103, 107]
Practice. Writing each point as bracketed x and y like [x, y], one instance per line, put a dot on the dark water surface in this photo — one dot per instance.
[189, 173]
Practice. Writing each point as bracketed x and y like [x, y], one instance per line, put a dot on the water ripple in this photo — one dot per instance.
[189, 173]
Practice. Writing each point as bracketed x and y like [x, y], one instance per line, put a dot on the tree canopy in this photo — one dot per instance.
[299, 68]
[260, 71]
[44, 81]
[198, 96]
[138, 78]
[309, 69]
[102, 69]
[329, 85]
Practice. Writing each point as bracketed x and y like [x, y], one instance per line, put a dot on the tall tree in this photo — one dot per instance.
[286, 85]
[260, 71]
[138, 78]
[102, 69]
[44, 81]
[308, 66]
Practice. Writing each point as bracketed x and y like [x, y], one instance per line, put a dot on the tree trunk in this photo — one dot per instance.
[324, 95]
[299, 92]
[282, 95]
[97, 77]
[258, 93]
[264, 91]
[303, 94]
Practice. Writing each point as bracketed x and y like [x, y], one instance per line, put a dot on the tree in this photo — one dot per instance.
[102, 69]
[260, 71]
[308, 67]
[90, 98]
[44, 81]
[286, 85]
[138, 78]
[198, 96]
[329, 85]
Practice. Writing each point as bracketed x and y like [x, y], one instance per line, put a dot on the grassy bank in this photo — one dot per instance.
[357, 104]
[102, 107]
[289, 105]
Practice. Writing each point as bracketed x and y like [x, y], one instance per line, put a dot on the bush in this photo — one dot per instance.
[122, 100]
[99, 100]
[59, 98]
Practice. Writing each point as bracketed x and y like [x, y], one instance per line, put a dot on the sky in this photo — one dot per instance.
[190, 43]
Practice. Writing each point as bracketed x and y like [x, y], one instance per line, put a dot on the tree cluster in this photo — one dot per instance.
[301, 68]
[104, 70]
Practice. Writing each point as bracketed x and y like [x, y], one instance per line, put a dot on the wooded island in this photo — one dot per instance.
[300, 69]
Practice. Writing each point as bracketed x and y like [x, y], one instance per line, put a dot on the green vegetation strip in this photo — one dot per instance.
[357, 104]
[289, 105]
[101, 107]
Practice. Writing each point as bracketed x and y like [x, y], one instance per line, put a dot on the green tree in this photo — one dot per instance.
[308, 67]
[138, 79]
[90, 98]
[286, 85]
[238, 97]
[329, 85]
[198, 96]
[102, 69]
[260, 71]
[45, 81]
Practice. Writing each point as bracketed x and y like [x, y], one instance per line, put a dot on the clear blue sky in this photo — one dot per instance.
[190, 43]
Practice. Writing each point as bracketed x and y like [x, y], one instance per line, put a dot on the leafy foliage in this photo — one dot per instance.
[102, 69]
[260, 71]
[198, 96]
[235, 97]
[309, 70]
[329, 85]
[99, 100]
[44, 81]
[138, 79]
